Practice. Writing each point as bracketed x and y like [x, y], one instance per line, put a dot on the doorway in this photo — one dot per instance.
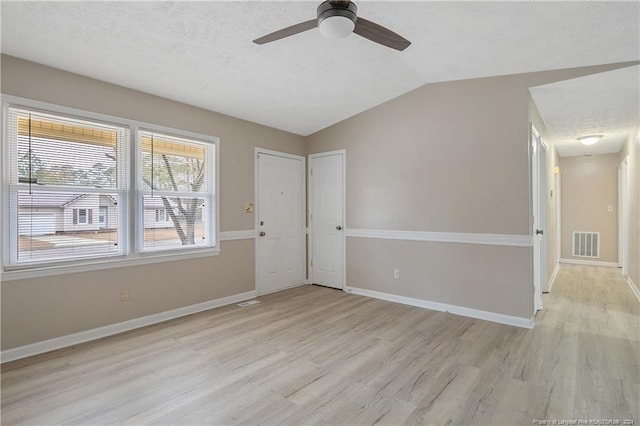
[327, 219]
[280, 212]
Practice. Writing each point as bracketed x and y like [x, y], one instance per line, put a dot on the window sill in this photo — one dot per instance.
[95, 265]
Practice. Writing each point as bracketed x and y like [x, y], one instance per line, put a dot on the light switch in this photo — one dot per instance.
[609, 208]
[248, 207]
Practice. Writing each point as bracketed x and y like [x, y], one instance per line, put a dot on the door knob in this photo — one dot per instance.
[539, 232]
[339, 228]
[262, 233]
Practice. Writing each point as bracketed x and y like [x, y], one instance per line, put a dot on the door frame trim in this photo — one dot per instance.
[544, 197]
[256, 189]
[558, 220]
[623, 215]
[343, 153]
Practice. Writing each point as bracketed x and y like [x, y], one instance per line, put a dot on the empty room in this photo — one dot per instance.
[301, 213]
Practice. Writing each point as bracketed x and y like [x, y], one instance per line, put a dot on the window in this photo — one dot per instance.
[161, 215]
[59, 169]
[80, 216]
[176, 182]
[67, 192]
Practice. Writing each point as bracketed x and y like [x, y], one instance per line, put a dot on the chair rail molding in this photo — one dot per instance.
[444, 237]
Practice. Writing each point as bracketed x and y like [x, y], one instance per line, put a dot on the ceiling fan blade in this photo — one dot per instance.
[286, 32]
[381, 35]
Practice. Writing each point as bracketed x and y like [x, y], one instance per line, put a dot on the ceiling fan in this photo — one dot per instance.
[337, 19]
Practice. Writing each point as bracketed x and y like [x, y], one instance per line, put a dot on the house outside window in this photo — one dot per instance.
[82, 217]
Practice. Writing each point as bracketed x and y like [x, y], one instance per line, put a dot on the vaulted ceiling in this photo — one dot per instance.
[201, 53]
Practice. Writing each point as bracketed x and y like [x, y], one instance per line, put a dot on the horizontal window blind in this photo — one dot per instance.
[67, 187]
[54, 150]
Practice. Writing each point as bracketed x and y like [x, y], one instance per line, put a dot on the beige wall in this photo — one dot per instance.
[440, 272]
[43, 308]
[447, 157]
[589, 186]
[428, 160]
[631, 150]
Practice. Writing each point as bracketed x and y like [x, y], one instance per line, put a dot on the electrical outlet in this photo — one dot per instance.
[125, 294]
[396, 274]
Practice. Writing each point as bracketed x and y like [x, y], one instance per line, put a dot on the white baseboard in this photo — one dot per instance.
[111, 329]
[634, 288]
[589, 262]
[552, 279]
[436, 306]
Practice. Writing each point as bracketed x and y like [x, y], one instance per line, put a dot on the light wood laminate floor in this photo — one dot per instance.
[313, 355]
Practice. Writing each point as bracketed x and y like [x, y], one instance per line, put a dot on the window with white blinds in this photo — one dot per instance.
[66, 187]
[71, 196]
[176, 191]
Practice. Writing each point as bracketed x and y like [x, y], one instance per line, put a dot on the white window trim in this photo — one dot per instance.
[131, 255]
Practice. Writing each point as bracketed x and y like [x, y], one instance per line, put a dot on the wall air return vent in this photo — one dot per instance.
[586, 244]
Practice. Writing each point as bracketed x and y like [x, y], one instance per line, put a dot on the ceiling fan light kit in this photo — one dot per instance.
[336, 19]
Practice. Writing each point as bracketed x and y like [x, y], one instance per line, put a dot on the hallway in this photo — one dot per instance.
[585, 348]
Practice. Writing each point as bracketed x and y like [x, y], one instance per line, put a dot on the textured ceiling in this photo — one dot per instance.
[201, 53]
[605, 104]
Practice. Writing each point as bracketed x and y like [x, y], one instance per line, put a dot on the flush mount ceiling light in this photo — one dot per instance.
[590, 139]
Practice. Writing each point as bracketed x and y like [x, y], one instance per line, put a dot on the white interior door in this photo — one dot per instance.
[327, 218]
[539, 199]
[280, 245]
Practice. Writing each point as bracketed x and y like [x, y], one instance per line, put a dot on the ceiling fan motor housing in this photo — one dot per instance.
[329, 8]
[337, 20]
